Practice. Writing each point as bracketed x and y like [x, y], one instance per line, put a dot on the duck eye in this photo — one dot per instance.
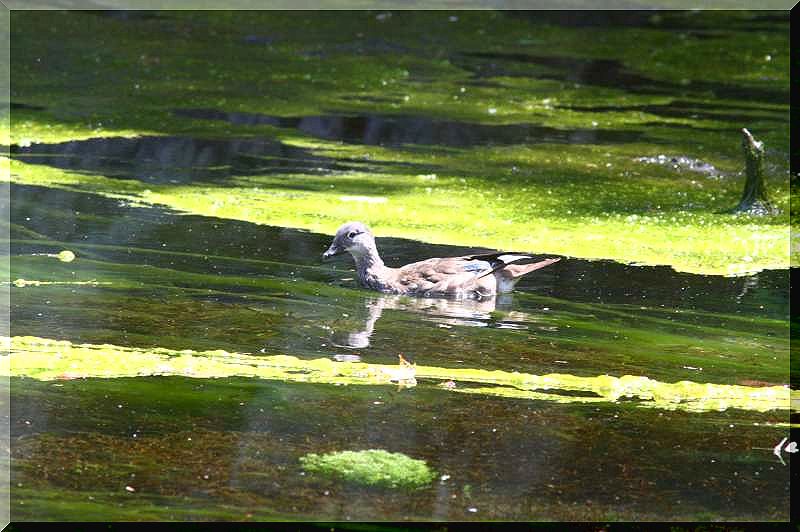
[351, 234]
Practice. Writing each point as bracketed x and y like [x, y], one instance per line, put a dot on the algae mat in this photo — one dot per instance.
[423, 126]
[46, 359]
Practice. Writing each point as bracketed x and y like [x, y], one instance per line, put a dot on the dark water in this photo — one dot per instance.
[685, 20]
[400, 130]
[604, 73]
[717, 110]
[178, 160]
[229, 448]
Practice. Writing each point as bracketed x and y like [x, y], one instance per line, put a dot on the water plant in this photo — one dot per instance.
[373, 467]
[48, 360]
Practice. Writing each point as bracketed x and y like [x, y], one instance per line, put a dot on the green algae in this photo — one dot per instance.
[372, 467]
[465, 213]
[65, 256]
[582, 201]
[355, 54]
[247, 434]
[192, 253]
[251, 458]
[603, 467]
[47, 359]
[592, 338]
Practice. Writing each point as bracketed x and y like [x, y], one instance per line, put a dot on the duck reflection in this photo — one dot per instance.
[354, 332]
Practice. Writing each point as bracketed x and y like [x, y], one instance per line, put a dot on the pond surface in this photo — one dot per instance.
[596, 391]
[228, 448]
[400, 130]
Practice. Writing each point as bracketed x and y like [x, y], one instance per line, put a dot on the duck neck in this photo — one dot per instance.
[369, 266]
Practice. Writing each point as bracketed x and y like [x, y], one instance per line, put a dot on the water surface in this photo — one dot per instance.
[178, 150]
[229, 448]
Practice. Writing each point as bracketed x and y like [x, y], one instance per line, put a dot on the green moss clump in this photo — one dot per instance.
[373, 467]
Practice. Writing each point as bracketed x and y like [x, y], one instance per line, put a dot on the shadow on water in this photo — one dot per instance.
[184, 160]
[386, 130]
[26, 107]
[125, 14]
[177, 160]
[691, 21]
[696, 110]
[602, 73]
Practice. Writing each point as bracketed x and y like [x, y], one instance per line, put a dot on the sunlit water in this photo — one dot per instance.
[179, 447]
[230, 447]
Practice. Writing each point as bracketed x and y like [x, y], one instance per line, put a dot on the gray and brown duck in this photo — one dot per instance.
[468, 276]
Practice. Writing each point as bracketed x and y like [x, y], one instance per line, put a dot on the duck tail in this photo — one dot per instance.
[515, 271]
[518, 270]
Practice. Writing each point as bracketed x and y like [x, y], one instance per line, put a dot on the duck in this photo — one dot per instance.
[464, 277]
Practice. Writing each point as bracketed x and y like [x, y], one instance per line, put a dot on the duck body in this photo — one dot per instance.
[468, 276]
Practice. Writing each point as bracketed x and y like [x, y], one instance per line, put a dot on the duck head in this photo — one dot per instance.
[354, 238]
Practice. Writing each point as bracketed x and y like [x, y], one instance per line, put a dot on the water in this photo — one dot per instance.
[177, 160]
[402, 130]
[603, 73]
[194, 446]
[203, 283]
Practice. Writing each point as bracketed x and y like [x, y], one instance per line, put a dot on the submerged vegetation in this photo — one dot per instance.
[373, 467]
[518, 150]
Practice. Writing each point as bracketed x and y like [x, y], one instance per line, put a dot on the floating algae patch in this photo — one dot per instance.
[64, 256]
[640, 220]
[556, 126]
[374, 467]
[46, 359]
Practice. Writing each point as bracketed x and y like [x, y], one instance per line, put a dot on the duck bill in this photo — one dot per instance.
[332, 252]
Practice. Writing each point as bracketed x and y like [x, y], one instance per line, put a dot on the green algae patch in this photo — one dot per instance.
[572, 211]
[600, 338]
[46, 360]
[140, 70]
[373, 467]
[66, 256]
[588, 199]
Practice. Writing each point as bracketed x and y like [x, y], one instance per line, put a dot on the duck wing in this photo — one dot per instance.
[424, 275]
[507, 257]
[501, 260]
